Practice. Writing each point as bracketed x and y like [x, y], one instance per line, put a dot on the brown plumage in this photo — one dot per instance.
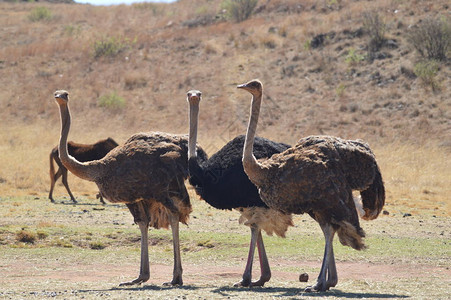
[317, 177]
[146, 173]
[81, 152]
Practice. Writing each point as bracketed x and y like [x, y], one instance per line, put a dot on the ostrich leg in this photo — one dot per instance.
[247, 275]
[177, 274]
[144, 270]
[64, 179]
[53, 179]
[332, 277]
[322, 284]
[264, 264]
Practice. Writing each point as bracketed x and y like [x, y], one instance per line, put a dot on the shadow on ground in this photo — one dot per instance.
[226, 291]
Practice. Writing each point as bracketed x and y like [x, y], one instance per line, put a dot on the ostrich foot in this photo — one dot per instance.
[243, 283]
[260, 282]
[74, 201]
[98, 196]
[174, 282]
[320, 286]
[51, 200]
[139, 280]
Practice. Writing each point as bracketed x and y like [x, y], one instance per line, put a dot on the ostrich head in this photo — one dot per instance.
[193, 96]
[254, 87]
[62, 96]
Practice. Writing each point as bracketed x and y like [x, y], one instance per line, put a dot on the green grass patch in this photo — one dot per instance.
[40, 14]
[111, 46]
[112, 101]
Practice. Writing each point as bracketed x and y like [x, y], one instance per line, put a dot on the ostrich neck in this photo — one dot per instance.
[82, 170]
[251, 166]
[192, 139]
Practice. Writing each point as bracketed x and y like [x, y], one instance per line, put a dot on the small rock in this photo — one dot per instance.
[386, 213]
[303, 277]
[406, 215]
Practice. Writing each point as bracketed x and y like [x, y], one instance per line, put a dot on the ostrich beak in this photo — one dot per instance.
[241, 86]
[194, 95]
[62, 94]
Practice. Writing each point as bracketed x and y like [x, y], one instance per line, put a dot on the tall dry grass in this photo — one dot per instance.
[416, 176]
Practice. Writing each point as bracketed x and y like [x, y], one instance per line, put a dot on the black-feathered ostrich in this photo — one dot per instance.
[222, 183]
[146, 173]
[81, 152]
[317, 177]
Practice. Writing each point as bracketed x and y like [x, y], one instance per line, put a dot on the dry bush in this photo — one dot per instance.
[135, 81]
[375, 27]
[25, 236]
[111, 46]
[427, 71]
[268, 41]
[432, 38]
[212, 47]
[40, 14]
[239, 10]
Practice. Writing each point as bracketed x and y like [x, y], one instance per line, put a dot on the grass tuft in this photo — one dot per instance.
[40, 14]
[97, 245]
[25, 236]
[112, 101]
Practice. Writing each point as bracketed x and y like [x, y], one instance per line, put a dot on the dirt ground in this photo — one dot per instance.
[408, 257]
[60, 279]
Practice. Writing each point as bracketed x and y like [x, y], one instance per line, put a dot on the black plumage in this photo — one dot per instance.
[221, 180]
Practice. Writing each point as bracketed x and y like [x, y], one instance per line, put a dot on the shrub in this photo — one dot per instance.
[110, 46]
[113, 101]
[375, 28]
[432, 38]
[353, 58]
[135, 81]
[340, 90]
[42, 235]
[26, 237]
[427, 71]
[72, 29]
[239, 10]
[97, 246]
[40, 14]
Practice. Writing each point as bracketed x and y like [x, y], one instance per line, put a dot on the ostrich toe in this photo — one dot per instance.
[139, 280]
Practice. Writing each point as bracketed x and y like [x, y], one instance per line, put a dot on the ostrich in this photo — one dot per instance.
[222, 183]
[81, 152]
[317, 177]
[146, 173]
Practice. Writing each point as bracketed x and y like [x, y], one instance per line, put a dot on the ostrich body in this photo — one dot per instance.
[146, 173]
[81, 152]
[317, 177]
[222, 183]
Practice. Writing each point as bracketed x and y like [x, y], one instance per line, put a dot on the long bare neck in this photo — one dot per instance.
[251, 166]
[82, 170]
[192, 139]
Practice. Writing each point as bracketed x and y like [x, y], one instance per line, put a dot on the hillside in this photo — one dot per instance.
[128, 68]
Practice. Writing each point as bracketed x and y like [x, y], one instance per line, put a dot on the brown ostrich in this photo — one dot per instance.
[147, 174]
[317, 177]
[81, 152]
